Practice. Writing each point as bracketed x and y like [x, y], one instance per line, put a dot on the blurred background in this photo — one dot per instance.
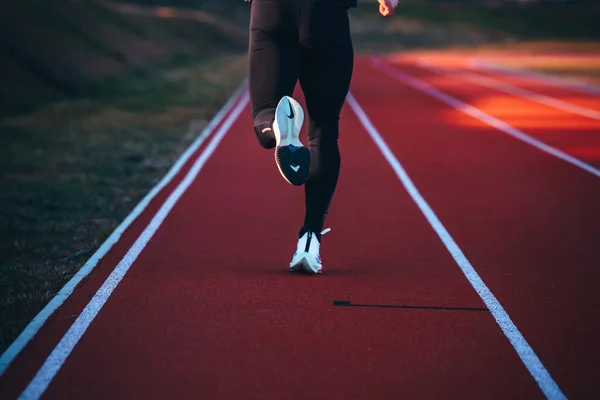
[60, 49]
[99, 98]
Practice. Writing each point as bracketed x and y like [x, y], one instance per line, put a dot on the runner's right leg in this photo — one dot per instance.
[326, 64]
[327, 61]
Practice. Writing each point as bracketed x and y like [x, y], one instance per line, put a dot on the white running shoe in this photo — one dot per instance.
[292, 158]
[307, 257]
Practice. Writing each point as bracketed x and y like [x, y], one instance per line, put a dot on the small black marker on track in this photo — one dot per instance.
[345, 303]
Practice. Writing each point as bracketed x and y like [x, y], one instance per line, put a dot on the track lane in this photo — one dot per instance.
[523, 91]
[25, 365]
[569, 95]
[575, 135]
[528, 221]
[581, 91]
[210, 308]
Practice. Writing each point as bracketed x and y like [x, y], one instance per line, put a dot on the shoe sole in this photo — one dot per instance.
[291, 156]
[293, 163]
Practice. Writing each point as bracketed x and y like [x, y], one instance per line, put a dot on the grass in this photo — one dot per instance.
[524, 21]
[73, 170]
[372, 33]
[116, 19]
[46, 14]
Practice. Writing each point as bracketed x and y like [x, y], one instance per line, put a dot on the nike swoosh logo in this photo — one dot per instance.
[296, 168]
[291, 114]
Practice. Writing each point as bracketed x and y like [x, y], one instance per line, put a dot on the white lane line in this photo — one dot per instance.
[513, 90]
[480, 115]
[546, 79]
[38, 321]
[63, 349]
[525, 352]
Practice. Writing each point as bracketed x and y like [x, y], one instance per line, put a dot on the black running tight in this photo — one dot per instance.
[307, 41]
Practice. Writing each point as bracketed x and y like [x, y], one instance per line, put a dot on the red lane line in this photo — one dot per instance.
[528, 221]
[575, 135]
[210, 308]
[32, 356]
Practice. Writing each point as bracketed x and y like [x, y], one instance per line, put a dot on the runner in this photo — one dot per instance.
[309, 41]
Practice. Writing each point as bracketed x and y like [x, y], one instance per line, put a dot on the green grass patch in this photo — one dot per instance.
[525, 21]
[44, 13]
[116, 19]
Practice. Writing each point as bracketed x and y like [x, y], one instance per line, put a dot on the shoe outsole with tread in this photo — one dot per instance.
[291, 156]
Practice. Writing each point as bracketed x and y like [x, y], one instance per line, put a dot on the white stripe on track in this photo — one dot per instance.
[514, 90]
[525, 352]
[546, 79]
[480, 115]
[38, 321]
[61, 352]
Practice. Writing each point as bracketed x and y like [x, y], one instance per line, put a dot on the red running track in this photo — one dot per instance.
[208, 309]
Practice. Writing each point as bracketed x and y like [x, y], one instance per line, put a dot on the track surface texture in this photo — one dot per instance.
[205, 306]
